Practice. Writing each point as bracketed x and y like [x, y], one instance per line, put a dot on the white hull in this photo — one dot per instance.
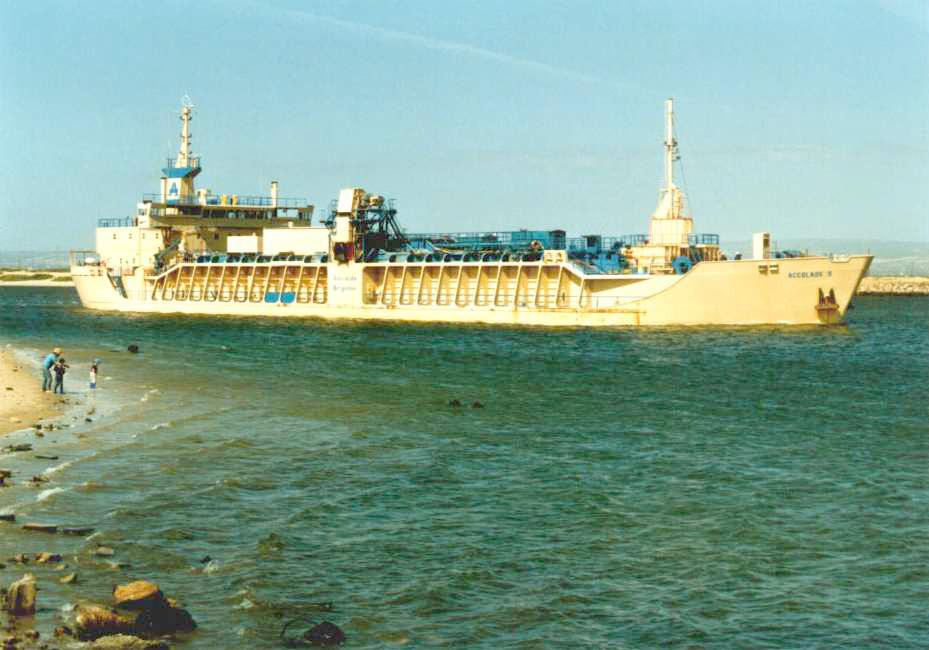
[743, 292]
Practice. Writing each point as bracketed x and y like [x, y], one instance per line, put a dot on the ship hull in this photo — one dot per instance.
[796, 291]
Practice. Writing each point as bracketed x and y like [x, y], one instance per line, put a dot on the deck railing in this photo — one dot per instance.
[124, 222]
[231, 200]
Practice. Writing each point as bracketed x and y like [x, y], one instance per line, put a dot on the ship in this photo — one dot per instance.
[190, 250]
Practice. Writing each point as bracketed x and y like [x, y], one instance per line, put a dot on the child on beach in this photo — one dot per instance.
[59, 371]
[93, 375]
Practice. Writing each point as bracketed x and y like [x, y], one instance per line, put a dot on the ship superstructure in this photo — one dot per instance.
[190, 250]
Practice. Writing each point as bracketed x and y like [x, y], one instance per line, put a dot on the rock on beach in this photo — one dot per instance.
[21, 596]
[138, 595]
[126, 642]
[95, 621]
[141, 610]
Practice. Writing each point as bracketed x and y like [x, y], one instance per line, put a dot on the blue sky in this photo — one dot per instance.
[808, 119]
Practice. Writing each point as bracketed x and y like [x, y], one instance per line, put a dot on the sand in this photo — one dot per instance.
[26, 404]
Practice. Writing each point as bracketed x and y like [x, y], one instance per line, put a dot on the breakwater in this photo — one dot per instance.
[894, 286]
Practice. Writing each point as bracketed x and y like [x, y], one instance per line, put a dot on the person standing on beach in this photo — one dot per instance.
[59, 369]
[48, 381]
[93, 375]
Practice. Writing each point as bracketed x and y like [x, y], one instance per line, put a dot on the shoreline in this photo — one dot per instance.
[35, 278]
[35, 283]
[26, 404]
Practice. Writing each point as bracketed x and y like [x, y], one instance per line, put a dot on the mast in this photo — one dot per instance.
[177, 184]
[184, 152]
[670, 145]
[670, 198]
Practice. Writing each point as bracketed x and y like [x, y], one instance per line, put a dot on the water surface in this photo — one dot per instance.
[716, 488]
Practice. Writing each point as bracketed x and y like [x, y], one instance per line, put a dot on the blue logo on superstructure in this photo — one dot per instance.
[173, 191]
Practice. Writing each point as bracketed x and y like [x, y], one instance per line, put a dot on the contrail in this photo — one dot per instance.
[439, 45]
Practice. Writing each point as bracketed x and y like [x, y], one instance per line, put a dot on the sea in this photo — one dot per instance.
[441, 486]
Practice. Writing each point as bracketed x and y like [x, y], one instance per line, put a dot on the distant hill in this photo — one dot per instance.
[33, 259]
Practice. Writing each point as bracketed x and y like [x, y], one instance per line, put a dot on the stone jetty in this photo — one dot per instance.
[894, 286]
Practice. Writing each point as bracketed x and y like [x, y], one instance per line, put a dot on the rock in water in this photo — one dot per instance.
[77, 531]
[41, 528]
[133, 348]
[138, 595]
[94, 621]
[325, 634]
[104, 551]
[126, 642]
[20, 597]
[69, 579]
[164, 619]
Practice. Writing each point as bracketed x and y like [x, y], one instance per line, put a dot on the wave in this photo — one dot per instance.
[58, 468]
[50, 492]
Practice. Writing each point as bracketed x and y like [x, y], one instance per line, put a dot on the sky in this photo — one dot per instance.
[807, 119]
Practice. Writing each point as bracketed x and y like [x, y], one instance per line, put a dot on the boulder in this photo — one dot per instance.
[7, 516]
[133, 348]
[138, 595]
[45, 558]
[94, 621]
[325, 634]
[69, 579]
[104, 551]
[20, 597]
[164, 619]
[127, 642]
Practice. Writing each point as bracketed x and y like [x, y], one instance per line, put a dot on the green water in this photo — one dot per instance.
[727, 488]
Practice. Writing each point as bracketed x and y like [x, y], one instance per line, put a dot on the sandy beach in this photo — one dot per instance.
[22, 402]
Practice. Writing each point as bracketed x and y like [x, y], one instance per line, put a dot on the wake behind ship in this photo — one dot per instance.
[188, 250]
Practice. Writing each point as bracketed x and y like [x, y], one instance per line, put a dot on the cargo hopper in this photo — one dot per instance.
[193, 251]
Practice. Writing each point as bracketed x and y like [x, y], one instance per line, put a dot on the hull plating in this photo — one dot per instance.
[745, 292]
